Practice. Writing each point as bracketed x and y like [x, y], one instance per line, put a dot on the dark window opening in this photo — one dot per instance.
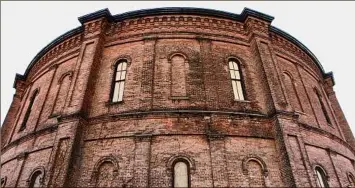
[28, 111]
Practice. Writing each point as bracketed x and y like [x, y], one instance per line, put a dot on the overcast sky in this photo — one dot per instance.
[326, 28]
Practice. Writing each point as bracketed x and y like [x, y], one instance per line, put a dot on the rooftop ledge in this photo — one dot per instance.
[171, 10]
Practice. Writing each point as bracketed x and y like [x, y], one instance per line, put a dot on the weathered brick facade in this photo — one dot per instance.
[178, 104]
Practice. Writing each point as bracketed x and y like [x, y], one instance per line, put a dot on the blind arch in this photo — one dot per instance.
[291, 91]
[178, 75]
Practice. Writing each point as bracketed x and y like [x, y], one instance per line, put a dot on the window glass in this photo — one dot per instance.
[119, 81]
[36, 180]
[321, 179]
[236, 80]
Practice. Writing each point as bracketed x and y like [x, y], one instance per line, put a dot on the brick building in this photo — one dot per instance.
[176, 97]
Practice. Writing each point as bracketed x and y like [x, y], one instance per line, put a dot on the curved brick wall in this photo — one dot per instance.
[289, 123]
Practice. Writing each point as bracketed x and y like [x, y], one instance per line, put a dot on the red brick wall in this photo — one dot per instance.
[176, 108]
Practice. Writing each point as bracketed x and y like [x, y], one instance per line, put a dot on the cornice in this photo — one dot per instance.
[302, 47]
[171, 11]
[55, 42]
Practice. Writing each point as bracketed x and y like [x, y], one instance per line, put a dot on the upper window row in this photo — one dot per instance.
[178, 77]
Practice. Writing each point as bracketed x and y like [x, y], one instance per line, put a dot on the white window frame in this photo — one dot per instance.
[237, 80]
[119, 81]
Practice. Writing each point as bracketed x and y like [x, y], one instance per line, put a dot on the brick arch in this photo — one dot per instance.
[240, 61]
[110, 159]
[40, 169]
[62, 77]
[120, 58]
[106, 159]
[178, 157]
[173, 54]
[317, 165]
[256, 159]
[288, 74]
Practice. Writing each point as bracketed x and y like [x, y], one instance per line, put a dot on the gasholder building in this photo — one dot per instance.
[176, 97]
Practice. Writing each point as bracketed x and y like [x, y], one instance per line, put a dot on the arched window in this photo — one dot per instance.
[236, 77]
[36, 179]
[29, 109]
[319, 97]
[178, 76]
[119, 81]
[321, 177]
[181, 173]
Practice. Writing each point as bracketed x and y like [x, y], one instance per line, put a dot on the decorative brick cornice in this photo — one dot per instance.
[185, 23]
[308, 55]
[59, 46]
[49, 48]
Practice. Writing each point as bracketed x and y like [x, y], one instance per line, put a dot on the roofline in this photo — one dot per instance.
[41, 53]
[169, 10]
[298, 44]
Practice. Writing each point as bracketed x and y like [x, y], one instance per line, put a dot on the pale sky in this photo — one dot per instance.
[326, 28]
